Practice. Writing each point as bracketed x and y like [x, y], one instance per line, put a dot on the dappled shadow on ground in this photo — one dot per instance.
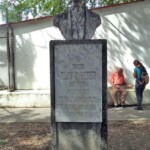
[25, 136]
[122, 135]
[129, 135]
[25, 115]
[129, 113]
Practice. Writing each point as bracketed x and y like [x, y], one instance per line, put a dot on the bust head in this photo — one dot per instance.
[77, 3]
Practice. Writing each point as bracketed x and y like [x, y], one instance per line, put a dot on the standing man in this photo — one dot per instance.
[139, 83]
[118, 85]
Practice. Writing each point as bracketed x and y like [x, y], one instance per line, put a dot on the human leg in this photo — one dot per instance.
[114, 94]
[123, 94]
[139, 89]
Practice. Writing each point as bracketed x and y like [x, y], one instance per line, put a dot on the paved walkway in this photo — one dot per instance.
[43, 114]
[24, 115]
[129, 113]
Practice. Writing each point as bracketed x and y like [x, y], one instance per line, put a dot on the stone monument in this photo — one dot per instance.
[78, 82]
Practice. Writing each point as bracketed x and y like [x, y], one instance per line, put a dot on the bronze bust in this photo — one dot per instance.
[77, 22]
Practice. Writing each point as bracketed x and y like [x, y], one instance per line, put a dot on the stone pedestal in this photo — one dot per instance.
[78, 94]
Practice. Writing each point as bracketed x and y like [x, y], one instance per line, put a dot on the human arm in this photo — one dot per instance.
[112, 79]
[134, 74]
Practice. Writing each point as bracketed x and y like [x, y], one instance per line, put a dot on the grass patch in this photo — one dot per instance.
[3, 142]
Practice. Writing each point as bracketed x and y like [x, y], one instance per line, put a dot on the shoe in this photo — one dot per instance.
[138, 108]
[115, 106]
[119, 105]
[124, 106]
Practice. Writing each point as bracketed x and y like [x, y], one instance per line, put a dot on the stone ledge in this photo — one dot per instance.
[25, 98]
[131, 97]
[41, 98]
[25, 92]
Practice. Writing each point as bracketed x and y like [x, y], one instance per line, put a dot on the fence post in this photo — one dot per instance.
[10, 54]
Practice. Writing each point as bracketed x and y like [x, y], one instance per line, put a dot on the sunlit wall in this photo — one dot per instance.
[126, 28]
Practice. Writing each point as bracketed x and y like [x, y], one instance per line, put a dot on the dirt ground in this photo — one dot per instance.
[129, 135]
[24, 136]
[124, 135]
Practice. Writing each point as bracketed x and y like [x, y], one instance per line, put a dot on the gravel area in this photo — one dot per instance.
[122, 135]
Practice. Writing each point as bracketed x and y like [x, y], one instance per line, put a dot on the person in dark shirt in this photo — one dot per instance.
[139, 84]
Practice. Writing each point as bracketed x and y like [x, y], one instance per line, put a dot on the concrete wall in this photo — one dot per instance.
[127, 30]
[32, 53]
[126, 27]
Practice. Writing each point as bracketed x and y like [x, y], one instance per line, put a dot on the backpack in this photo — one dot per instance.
[144, 76]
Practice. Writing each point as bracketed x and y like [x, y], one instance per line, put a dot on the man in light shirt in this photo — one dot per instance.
[118, 85]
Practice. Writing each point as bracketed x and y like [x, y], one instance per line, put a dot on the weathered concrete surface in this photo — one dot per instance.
[28, 98]
[41, 98]
[24, 115]
[79, 136]
[129, 113]
[43, 114]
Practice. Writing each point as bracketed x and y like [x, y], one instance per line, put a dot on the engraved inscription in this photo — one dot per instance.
[77, 99]
[79, 75]
[66, 75]
[78, 66]
[78, 93]
[78, 83]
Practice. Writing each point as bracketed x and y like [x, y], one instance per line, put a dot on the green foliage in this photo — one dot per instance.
[2, 140]
[21, 9]
[112, 2]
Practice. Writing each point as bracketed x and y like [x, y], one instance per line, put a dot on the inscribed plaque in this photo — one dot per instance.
[78, 82]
